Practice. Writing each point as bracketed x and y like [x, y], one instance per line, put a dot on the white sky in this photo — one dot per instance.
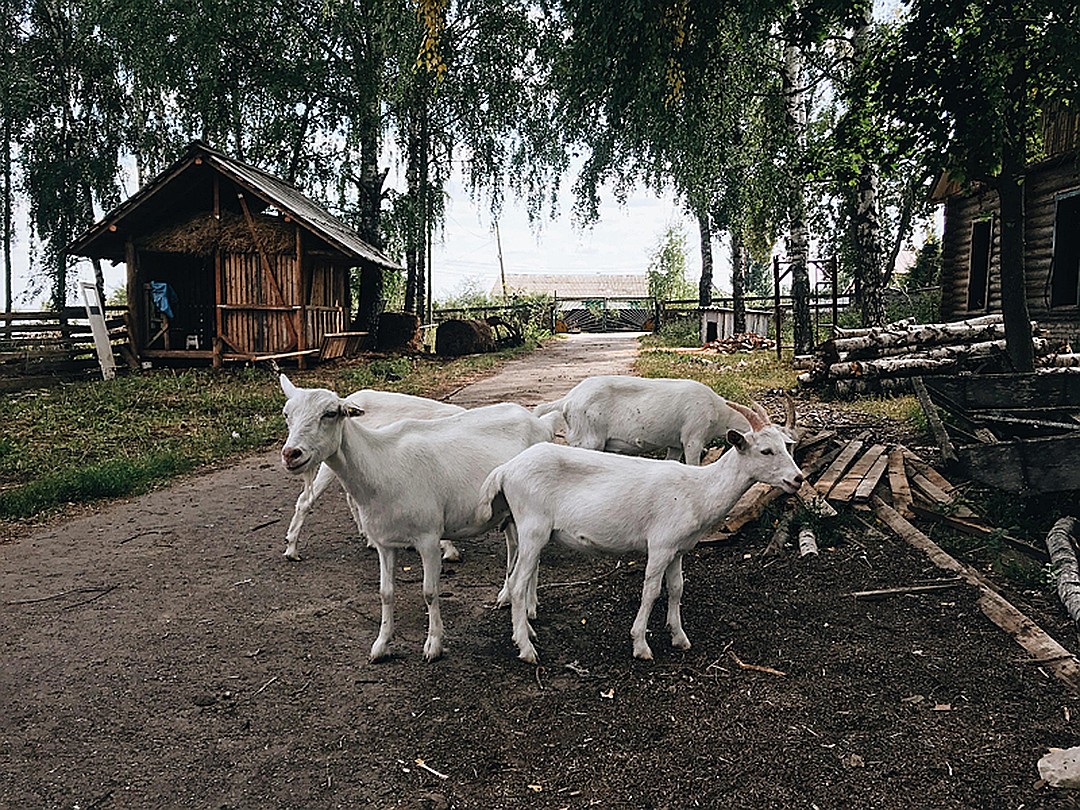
[621, 242]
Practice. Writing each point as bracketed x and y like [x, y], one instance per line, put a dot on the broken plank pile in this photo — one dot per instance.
[740, 342]
[884, 359]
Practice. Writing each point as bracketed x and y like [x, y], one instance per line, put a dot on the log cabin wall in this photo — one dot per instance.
[1044, 186]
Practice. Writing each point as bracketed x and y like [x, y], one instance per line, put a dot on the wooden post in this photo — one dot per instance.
[219, 291]
[835, 293]
[134, 296]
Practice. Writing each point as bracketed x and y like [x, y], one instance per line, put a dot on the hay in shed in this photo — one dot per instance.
[202, 234]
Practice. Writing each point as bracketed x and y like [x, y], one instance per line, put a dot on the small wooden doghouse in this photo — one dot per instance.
[970, 268]
[226, 262]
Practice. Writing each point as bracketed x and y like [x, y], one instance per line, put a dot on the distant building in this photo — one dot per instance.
[579, 287]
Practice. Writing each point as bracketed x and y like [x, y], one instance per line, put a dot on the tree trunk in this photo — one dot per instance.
[738, 281]
[797, 241]
[8, 213]
[868, 253]
[1014, 305]
[705, 284]
[1059, 542]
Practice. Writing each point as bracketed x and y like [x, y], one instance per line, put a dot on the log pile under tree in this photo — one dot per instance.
[885, 359]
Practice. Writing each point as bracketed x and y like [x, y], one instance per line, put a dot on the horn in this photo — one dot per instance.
[763, 415]
[789, 410]
[751, 416]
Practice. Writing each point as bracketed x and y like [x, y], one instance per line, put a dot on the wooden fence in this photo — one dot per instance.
[33, 343]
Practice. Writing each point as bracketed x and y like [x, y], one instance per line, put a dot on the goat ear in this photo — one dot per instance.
[287, 387]
[737, 440]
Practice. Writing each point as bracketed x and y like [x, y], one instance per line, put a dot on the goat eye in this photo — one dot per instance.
[329, 414]
[767, 451]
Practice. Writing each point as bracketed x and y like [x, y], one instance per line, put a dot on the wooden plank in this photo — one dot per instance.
[845, 489]
[1050, 464]
[1023, 631]
[905, 590]
[916, 461]
[838, 467]
[973, 528]
[948, 452]
[934, 494]
[898, 482]
[870, 482]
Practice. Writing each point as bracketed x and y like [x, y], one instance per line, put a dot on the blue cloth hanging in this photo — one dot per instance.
[163, 297]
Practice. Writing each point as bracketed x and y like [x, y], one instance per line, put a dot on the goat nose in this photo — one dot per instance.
[291, 453]
[799, 478]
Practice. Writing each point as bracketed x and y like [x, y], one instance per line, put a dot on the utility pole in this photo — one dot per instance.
[502, 270]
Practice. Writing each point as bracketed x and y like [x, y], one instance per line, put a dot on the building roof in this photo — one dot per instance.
[584, 285]
[183, 186]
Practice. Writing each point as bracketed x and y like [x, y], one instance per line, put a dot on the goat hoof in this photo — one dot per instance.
[645, 654]
[680, 642]
[528, 656]
[503, 599]
[292, 555]
[450, 553]
[433, 650]
[379, 651]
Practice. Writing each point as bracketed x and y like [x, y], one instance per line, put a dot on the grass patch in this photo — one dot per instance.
[899, 409]
[733, 376]
[81, 442]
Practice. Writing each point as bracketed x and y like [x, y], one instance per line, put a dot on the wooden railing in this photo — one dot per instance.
[32, 342]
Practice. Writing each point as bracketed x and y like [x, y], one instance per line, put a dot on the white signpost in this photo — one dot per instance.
[96, 313]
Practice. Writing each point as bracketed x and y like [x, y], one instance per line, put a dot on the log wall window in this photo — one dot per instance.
[982, 240]
[1065, 270]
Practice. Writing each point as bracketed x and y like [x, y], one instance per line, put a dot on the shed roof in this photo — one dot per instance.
[184, 186]
[591, 285]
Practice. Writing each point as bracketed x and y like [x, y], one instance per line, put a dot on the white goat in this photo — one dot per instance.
[380, 408]
[414, 481]
[600, 502]
[634, 415]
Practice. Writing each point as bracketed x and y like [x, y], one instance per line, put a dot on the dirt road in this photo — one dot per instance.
[162, 653]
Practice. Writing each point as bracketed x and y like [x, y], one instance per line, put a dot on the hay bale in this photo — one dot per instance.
[398, 331]
[457, 337]
[201, 234]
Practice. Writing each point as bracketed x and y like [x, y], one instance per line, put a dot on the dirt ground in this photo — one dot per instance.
[161, 652]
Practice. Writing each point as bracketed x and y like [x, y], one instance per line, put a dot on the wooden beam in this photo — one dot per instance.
[1023, 631]
[845, 489]
[264, 260]
[838, 467]
[972, 528]
[898, 482]
[869, 483]
[948, 452]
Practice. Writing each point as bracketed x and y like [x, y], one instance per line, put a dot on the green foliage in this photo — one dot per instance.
[677, 330]
[735, 376]
[667, 267]
[926, 270]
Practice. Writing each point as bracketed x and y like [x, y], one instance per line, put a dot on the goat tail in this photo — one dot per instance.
[545, 408]
[492, 506]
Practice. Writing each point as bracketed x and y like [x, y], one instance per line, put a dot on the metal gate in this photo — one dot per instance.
[604, 315]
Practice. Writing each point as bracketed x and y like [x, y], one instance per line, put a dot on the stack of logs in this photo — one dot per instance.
[885, 359]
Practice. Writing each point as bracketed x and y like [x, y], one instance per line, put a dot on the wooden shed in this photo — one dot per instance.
[970, 274]
[226, 262]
